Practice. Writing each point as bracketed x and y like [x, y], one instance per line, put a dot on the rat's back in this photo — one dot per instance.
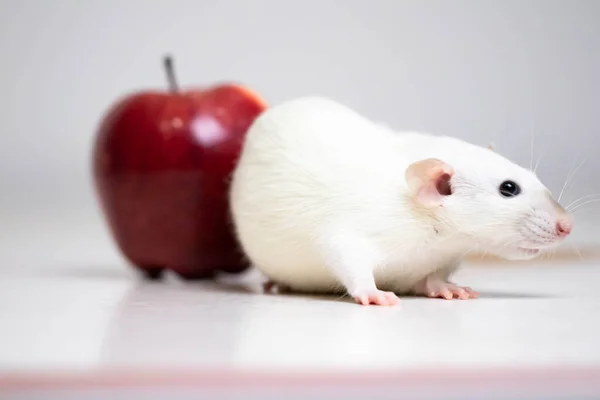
[306, 164]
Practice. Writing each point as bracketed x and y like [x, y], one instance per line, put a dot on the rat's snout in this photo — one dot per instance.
[564, 225]
[564, 221]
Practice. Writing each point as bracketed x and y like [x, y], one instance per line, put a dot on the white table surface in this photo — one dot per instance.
[63, 313]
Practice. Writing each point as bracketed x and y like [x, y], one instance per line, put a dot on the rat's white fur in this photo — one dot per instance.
[320, 202]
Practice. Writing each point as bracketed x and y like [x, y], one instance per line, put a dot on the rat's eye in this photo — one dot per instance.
[509, 189]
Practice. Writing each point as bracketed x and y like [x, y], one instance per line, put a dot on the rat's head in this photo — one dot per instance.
[489, 200]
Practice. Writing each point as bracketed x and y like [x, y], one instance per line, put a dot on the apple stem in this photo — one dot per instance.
[170, 72]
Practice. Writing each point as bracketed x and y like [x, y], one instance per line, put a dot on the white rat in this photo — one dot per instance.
[324, 200]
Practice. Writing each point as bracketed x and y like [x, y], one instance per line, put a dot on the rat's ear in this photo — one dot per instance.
[491, 146]
[429, 180]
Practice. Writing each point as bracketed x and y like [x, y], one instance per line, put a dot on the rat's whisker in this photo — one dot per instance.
[509, 243]
[537, 164]
[485, 251]
[545, 253]
[589, 196]
[577, 251]
[551, 254]
[585, 203]
[532, 146]
[570, 178]
[566, 181]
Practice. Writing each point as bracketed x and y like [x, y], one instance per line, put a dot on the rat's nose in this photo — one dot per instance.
[564, 227]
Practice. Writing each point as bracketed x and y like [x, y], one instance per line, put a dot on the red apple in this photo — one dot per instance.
[161, 164]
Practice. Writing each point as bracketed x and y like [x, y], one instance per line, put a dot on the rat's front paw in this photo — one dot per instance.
[376, 297]
[437, 288]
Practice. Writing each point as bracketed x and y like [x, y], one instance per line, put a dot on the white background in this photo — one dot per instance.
[505, 72]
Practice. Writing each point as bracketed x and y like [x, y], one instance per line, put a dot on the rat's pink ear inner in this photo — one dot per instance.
[429, 180]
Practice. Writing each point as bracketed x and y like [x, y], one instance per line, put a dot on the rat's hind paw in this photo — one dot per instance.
[435, 288]
[274, 287]
[376, 297]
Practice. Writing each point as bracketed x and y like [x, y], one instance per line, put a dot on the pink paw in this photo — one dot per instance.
[274, 287]
[377, 297]
[447, 290]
